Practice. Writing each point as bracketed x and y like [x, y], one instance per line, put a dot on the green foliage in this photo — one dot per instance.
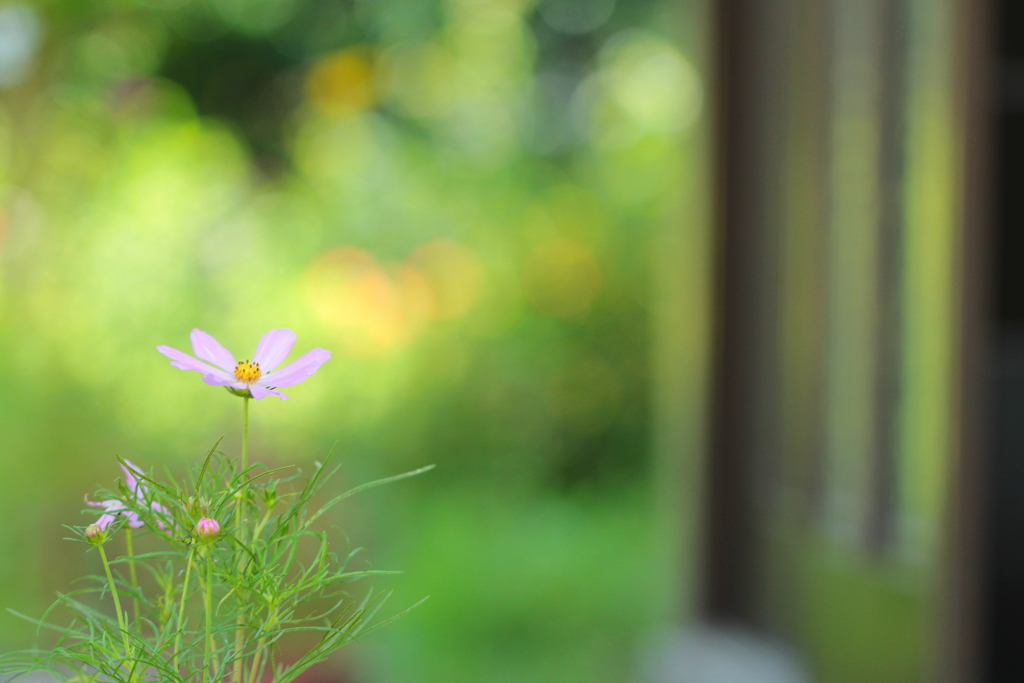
[168, 164]
[193, 607]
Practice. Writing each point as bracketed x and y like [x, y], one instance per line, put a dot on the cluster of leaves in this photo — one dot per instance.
[265, 594]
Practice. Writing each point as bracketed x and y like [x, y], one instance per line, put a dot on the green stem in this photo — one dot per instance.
[261, 525]
[181, 608]
[239, 531]
[131, 571]
[239, 641]
[117, 602]
[254, 669]
[209, 613]
[245, 433]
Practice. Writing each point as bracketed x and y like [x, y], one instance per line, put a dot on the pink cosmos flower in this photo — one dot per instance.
[115, 506]
[139, 491]
[258, 377]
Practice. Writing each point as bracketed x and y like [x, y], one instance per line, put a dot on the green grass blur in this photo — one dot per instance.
[459, 198]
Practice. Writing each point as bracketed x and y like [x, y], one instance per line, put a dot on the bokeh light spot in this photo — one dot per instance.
[652, 81]
[21, 31]
[373, 312]
[255, 17]
[562, 277]
[341, 82]
[454, 273]
[576, 17]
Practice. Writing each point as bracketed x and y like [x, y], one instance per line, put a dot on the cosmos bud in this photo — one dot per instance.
[95, 534]
[207, 529]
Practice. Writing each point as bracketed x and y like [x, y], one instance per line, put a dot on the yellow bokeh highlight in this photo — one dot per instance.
[377, 308]
[372, 310]
[341, 83]
[454, 273]
[562, 277]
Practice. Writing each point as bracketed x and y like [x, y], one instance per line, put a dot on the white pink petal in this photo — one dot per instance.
[210, 350]
[273, 348]
[298, 370]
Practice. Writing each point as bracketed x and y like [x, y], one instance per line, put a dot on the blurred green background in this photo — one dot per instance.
[460, 198]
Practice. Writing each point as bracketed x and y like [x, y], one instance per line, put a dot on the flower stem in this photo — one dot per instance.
[181, 608]
[240, 533]
[209, 613]
[117, 602]
[131, 571]
[263, 523]
[245, 433]
[254, 669]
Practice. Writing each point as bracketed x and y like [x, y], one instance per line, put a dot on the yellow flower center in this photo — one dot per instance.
[247, 372]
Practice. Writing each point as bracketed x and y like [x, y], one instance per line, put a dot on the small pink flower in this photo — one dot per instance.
[116, 506]
[113, 507]
[139, 491]
[258, 377]
[207, 529]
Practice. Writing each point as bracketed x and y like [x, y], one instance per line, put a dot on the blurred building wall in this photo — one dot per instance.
[840, 517]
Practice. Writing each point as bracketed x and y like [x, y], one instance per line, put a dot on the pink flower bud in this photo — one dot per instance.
[207, 529]
[95, 534]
